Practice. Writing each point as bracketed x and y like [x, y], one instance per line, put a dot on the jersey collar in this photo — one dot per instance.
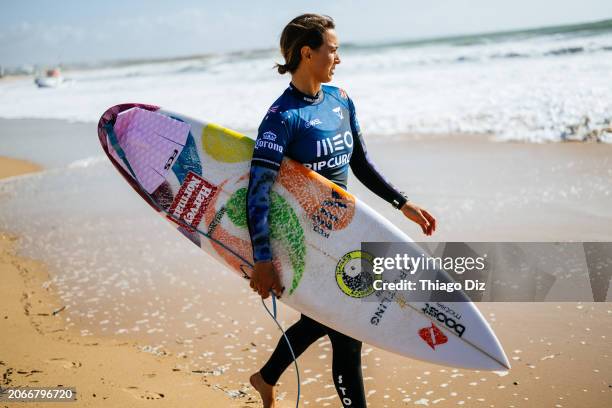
[311, 100]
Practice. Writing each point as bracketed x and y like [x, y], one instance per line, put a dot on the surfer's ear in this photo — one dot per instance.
[306, 52]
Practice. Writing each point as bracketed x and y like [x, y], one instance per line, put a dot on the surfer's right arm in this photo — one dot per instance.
[270, 145]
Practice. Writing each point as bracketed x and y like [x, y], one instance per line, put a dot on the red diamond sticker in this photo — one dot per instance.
[433, 336]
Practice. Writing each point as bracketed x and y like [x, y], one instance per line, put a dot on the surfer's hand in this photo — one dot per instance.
[265, 278]
[420, 216]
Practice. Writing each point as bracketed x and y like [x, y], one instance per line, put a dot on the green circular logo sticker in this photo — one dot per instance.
[350, 277]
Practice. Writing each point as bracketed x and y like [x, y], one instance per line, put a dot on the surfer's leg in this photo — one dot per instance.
[346, 369]
[301, 335]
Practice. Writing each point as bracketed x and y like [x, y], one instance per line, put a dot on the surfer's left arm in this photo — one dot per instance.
[366, 171]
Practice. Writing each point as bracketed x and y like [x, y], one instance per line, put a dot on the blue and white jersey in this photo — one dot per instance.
[323, 134]
[318, 132]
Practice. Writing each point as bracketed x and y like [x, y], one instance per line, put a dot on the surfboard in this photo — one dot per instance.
[195, 175]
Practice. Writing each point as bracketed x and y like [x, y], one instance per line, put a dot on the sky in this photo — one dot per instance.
[68, 31]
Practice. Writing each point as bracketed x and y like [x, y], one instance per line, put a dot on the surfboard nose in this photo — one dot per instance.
[492, 347]
[502, 360]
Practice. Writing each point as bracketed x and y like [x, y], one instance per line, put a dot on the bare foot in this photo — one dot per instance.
[267, 391]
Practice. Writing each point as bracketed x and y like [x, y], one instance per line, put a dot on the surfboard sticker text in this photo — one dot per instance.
[192, 200]
[440, 316]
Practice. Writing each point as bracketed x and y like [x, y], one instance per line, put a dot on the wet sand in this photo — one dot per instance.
[37, 349]
[195, 324]
[496, 191]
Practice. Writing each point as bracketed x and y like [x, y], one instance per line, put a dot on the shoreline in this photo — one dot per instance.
[371, 138]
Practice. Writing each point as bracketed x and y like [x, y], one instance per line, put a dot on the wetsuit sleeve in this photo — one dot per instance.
[270, 145]
[364, 169]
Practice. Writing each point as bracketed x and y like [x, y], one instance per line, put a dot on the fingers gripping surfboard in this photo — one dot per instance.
[195, 174]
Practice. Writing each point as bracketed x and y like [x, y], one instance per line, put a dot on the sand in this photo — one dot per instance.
[13, 167]
[36, 350]
[560, 352]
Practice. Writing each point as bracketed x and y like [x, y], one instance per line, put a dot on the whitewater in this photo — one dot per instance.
[534, 86]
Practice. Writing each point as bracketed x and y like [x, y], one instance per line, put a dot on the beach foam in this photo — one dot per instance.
[532, 86]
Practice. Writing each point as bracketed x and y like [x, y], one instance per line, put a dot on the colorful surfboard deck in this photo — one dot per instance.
[195, 174]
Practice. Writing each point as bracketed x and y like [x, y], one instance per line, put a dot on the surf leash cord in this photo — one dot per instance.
[273, 316]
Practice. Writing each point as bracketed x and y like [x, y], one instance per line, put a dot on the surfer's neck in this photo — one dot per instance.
[305, 83]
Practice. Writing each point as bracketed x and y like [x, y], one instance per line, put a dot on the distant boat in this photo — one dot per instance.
[46, 82]
[52, 79]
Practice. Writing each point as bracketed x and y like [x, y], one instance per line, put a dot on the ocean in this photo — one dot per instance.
[538, 85]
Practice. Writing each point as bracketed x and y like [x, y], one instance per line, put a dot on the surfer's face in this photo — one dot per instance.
[324, 59]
